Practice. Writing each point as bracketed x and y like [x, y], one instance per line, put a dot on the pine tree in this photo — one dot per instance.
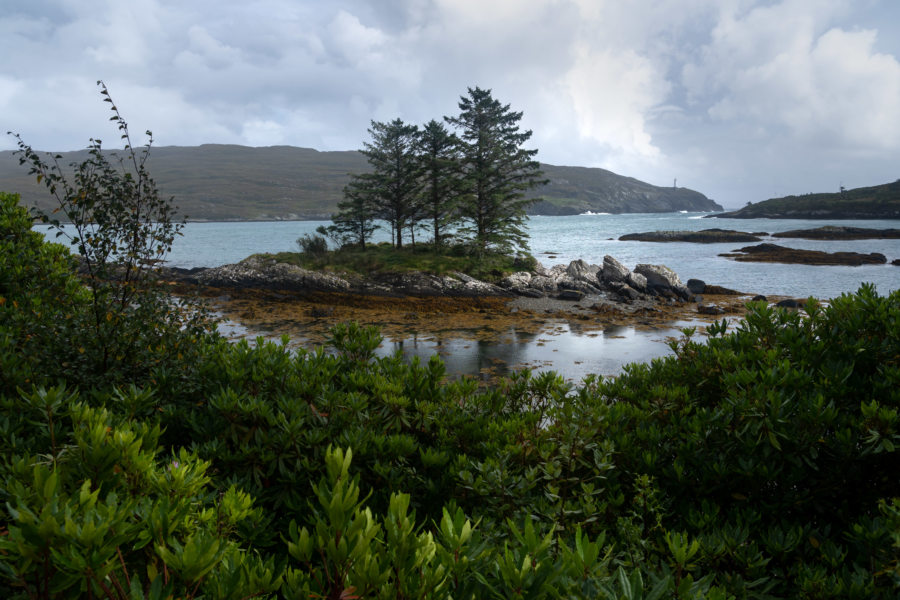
[355, 221]
[394, 183]
[440, 178]
[497, 172]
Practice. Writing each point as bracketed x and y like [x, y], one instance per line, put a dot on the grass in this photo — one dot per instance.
[384, 258]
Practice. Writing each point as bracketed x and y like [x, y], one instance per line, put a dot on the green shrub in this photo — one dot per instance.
[123, 325]
[758, 463]
[314, 245]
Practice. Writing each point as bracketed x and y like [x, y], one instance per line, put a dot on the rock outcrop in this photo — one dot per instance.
[704, 236]
[611, 281]
[663, 281]
[780, 254]
[255, 272]
[262, 273]
[833, 232]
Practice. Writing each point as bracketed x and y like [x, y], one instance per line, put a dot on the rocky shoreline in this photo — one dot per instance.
[573, 282]
[268, 297]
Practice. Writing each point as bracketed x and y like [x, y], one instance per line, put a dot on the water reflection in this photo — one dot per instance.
[571, 348]
[568, 348]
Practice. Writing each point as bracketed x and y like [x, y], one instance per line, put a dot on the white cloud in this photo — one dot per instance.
[776, 71]
[611, 95]
[705, 90]
[262, 133]
[354, 41]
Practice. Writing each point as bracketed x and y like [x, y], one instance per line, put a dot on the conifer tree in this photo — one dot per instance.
[393, 186]
[440, 177]
[497, 172]
[355, 221]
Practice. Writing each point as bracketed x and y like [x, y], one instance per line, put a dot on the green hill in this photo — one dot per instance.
[876, 202]
[225, 182]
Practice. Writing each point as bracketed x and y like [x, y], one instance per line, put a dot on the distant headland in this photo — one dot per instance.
[215, 182]
[875, 202]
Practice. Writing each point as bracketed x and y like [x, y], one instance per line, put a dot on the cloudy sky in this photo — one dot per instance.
[740, 99]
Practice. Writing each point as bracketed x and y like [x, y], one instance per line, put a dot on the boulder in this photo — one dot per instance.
[790, 303]
[570, 294]
[578, 269]
[613, 270]
[516, 280]
[624, 291]
[520, 283]
[478, 288]
[540, 269]
[542, 283]
[255, 272]
[722, 291]
[463, 277]
[529, 292]
[710, 309]
[557, 272]
[637, 281]
[663, 281]
[697, 286]
[568, 283]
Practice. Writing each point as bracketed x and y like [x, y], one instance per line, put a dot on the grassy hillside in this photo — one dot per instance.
[224, 182]
[876, 202]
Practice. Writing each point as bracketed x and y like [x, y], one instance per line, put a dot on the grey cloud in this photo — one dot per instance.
[653, 88]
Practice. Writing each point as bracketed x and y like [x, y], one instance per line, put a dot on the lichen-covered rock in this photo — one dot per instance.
[663, 281]
[637, 281]
[543, 283]
[579, 269]
[255, 272]
[516, 280]
[540, 269]
[425, 284]
[613, 270]
[569, 283]
[624, 291]
[557, 272]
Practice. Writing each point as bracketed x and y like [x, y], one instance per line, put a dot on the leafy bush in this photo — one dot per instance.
[314, 245]
[760, 463]
[123, 325]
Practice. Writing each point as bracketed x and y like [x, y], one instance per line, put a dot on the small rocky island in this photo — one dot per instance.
[833, 232]
[704, 236]
[773, 253]
[572, 282]
[267, 295]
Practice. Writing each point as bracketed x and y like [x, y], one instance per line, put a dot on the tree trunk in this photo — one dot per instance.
[437, 239]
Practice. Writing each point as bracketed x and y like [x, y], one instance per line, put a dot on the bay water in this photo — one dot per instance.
[572, 351]
[559, 240]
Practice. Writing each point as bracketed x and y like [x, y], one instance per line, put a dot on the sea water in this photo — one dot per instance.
[560, 240]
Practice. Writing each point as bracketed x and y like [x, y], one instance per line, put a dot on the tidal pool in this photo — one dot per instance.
[562, 346]
[570, 348]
